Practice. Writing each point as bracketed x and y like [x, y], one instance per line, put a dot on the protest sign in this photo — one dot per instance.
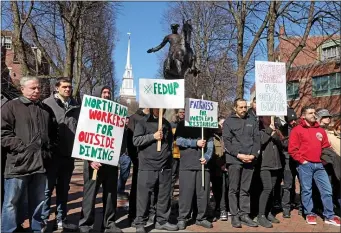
[201, 113]
[100, 130]
[271, 88]
[160, 93]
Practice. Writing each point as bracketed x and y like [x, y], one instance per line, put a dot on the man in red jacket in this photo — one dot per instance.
[306, 142]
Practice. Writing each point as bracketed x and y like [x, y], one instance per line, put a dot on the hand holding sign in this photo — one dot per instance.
[95, 165]
[158, 135]
[201, 143]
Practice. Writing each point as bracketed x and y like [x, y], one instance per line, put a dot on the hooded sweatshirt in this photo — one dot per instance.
[306, 142]
[97, 92]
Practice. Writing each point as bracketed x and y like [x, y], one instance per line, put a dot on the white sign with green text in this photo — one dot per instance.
[100, 130]
[161, 93]
[201, 113]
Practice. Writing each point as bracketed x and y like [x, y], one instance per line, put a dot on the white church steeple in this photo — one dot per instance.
[127, 90]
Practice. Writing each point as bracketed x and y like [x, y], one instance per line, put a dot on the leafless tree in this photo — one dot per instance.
[212, 44]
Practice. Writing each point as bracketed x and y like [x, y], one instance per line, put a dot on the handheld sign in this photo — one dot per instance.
[162, 94]
[201, 113]
[100, 131]
[271, 93]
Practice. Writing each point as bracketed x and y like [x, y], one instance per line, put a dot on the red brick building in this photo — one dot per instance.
[11, 68]
[314, 76]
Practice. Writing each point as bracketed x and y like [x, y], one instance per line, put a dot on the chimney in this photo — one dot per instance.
[281, 31]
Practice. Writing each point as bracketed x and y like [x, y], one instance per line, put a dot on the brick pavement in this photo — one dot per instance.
[295, 224]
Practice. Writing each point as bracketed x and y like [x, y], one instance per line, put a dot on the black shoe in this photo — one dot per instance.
[264, 222]
[246, 220]
[151, 219]
[236, 222]
[223, 215]
[113, 229]
[204, 223]
[272, 218]
[300, 212]
[182, 225]
[140, 229]
[286, 213]
[167, 226]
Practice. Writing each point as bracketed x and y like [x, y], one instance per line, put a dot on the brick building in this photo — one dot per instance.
[11, 68]
[314, 76]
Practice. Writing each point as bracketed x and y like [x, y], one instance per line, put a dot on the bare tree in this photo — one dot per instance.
[76, 38]
[213, 32]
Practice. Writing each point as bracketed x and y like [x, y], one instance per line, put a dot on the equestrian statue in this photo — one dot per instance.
[181, 59]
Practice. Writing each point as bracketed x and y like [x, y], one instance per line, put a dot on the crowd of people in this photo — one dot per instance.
[250, 163]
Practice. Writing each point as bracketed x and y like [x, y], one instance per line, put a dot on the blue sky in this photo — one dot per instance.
[143, 21]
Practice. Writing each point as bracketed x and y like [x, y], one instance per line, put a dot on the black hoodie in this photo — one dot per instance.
[149, 158]
[241, 136]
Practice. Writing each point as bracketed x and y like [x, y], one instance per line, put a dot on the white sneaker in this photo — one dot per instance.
[335, 221]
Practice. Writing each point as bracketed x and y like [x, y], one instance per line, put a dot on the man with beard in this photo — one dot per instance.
[107, 175]
[242, 142]
[66, 111]
[306, 143]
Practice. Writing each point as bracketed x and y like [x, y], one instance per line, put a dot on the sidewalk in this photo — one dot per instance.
[295, 224]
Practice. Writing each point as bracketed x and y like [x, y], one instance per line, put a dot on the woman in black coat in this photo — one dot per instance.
[270, 170]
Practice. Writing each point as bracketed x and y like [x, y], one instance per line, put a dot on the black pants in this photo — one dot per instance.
[107, 176]
[175, 172]
[266, 199]
[289, 177]
[158, 182]
[133, 190]
[220, 189]
[240, 177]
[191, 184]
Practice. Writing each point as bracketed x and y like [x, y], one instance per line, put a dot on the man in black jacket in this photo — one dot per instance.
[154, 170]
[27, 134]
[107, 177]
[242, 142]
[132, 152]
[59, 174]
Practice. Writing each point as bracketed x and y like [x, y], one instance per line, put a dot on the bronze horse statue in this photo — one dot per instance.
[181, 59]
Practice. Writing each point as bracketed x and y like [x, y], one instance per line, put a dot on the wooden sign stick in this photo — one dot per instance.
[94, 175]
[160, 128]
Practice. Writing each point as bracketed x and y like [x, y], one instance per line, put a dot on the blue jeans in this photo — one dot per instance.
[58, 175]
[125, 163]
[316, 171]
[12, 211]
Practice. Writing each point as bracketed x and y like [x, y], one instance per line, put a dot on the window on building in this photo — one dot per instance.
[6, 41]
[330, 49]
[293, 90]
[327, 85]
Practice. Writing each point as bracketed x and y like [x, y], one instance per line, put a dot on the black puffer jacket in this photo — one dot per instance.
[28, 133]
[271, 157]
